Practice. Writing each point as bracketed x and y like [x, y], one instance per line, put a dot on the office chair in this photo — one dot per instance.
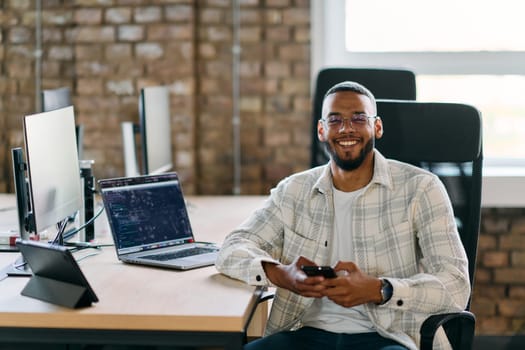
[445, 138]
[399, 84]
[59, 98]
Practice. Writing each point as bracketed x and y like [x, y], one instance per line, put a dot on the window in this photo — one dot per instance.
[497, 97]
[461, 51]
[434, 26]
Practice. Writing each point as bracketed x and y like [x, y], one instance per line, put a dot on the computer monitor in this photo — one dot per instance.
[55, 99]
[59, 98]
[25, 226]
[154, 131]
[53, 167]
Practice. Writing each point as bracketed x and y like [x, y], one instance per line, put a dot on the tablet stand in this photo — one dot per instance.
[57, 292]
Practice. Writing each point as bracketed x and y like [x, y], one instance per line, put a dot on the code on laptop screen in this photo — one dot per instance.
[147, 215]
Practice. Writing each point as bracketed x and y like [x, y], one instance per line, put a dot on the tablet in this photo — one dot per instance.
[57, 278]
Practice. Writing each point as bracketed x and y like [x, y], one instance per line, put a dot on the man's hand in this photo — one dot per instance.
[352, 287]
[292, 278]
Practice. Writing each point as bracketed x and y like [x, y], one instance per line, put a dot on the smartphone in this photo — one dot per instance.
[325, 271]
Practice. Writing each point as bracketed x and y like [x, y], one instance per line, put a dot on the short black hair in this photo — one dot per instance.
[351, 86]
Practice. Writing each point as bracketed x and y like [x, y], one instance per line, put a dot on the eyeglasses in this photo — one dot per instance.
[357, 121]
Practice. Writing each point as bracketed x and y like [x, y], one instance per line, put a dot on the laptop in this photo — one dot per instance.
[149, 222]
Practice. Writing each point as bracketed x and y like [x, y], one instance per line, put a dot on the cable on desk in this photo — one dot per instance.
[19, 266]
[61, 227]
[81, 227]
[88, 255]
[78, 245]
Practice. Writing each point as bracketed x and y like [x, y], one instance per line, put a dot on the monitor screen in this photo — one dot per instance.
[53, 168]
[155, 129]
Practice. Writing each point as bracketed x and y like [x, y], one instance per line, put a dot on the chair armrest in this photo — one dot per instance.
[266, 295]
[459, 328]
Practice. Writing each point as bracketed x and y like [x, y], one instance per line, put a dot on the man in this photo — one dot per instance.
[386, 227]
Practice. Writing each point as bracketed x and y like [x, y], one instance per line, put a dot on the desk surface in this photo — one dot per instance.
[145, 298]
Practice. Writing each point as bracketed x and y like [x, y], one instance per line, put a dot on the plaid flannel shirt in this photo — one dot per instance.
[403, 230]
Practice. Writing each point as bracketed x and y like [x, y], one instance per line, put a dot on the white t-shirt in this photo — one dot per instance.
[324, 313]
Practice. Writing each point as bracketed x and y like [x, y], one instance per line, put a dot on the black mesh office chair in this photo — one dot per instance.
[399, 84]
[59, 98]
[445, 138]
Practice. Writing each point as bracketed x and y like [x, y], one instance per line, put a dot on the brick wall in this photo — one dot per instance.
[274, 101]
[499, 288]
[105, 51]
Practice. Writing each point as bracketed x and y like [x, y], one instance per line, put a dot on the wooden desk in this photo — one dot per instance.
[144, 305]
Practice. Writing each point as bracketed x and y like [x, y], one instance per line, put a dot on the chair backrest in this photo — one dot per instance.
[59, 98]
[445, 138]
[399, 84]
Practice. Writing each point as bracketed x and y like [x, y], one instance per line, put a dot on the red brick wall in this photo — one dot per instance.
[106, 51]
[499, 287]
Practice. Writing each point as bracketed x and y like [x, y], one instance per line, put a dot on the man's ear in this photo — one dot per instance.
[378, 128]
[320, 131]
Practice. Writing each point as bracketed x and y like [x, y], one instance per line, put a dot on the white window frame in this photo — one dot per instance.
[503, 180]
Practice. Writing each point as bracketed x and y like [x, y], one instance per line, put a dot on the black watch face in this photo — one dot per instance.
[386, 290]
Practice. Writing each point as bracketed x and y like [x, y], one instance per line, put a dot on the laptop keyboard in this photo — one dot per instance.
[179, 254]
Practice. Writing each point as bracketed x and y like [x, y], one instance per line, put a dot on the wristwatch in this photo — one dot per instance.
[386, 291]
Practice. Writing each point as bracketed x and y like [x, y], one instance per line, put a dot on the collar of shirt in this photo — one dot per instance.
[381, 175]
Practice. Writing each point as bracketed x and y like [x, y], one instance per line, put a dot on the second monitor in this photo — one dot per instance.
[154, 130]
[53, 169]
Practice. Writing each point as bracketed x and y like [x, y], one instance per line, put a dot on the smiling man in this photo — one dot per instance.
[385, 227]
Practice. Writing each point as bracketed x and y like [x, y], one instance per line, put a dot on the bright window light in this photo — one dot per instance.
[499, 99]
[434, 26]
[465, 51]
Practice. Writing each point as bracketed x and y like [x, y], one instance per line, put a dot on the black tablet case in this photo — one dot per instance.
[57, 278]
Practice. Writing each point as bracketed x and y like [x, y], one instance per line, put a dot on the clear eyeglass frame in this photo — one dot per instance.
[357, 121]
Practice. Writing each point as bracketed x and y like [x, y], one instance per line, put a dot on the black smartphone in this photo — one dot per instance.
[325, 271]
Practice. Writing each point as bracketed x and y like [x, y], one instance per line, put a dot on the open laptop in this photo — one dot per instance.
[150, 224]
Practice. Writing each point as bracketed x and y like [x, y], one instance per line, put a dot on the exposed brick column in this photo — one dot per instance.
[275, 93]
[16, 79]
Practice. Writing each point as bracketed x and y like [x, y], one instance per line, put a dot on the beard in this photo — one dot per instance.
[350, 164]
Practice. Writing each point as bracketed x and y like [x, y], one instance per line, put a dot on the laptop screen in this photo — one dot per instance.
[146, 212]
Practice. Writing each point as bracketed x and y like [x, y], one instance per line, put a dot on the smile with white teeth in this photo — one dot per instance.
[347, 143]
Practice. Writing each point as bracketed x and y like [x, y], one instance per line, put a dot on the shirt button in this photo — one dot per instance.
[258, 278]
[400, 302]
